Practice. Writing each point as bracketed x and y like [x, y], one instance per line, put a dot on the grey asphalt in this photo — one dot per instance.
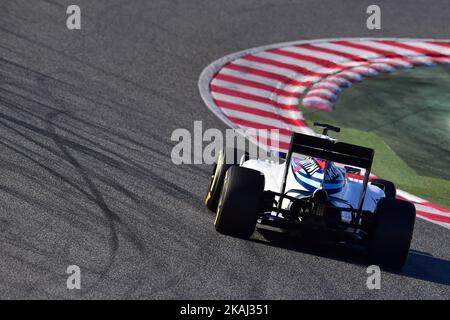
[86, 177]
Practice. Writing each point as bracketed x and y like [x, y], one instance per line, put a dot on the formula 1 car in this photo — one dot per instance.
[318, 186]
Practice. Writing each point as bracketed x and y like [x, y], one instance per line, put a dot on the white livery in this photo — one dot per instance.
[321, 186]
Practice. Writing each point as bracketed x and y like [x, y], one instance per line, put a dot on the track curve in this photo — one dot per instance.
[261, 88]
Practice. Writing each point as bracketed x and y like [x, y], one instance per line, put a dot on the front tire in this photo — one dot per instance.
[239, 203]
[392, 232]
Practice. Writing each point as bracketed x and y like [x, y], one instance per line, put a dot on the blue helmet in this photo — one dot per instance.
[309, 172]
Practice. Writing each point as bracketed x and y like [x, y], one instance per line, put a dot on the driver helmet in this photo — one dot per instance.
[309, 173]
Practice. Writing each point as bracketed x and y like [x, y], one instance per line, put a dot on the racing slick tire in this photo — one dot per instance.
[387, 186]
[220, 168]
[239, 202]
[392, 232]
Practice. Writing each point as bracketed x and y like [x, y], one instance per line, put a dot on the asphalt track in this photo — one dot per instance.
[85, 124]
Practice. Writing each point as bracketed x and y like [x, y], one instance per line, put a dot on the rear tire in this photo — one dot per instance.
[392, 232]
[387, 186]
[240, 202]
[220, 168]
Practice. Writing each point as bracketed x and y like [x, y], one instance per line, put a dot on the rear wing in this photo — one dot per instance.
[327, 149]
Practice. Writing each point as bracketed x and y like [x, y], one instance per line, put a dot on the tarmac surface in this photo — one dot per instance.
[86, 119]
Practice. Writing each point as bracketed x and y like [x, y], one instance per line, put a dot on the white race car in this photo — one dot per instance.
[317, 186]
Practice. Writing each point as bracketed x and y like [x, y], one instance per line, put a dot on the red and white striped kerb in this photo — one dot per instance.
[262, 88]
